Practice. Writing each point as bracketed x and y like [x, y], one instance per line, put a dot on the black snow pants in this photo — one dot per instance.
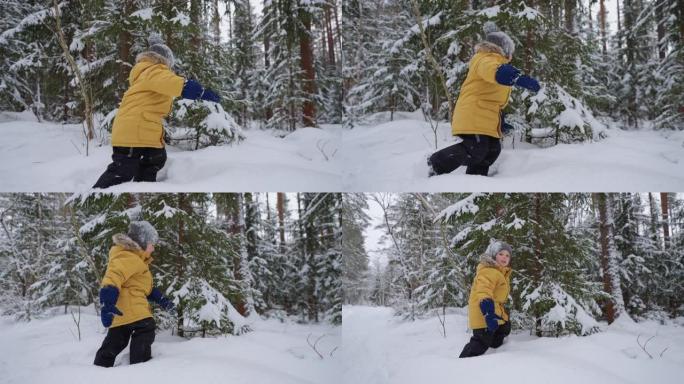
[131, 163]
[477, 152]
[483, 339]
[141, 335]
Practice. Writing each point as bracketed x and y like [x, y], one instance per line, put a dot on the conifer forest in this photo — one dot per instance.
[223, 257]
[577, 258]
[474, 191]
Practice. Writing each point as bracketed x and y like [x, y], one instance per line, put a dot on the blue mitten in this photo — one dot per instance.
[191, 90]
[487, 308]
[527, 82]
[156, 297]
[108, 297]
[210, 95]
[509, 75]
[506, 74]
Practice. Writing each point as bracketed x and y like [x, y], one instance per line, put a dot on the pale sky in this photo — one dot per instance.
[611, 17]
[257, 7]
[373, 235]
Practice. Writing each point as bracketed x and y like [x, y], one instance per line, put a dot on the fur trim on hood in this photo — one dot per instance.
[122, 240]
[487, 47]
[152, 57]
[487, 260]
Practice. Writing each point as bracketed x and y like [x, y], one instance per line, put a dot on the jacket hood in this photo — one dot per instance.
[138, 69]
[487, 47]
[125, 242]
[152, 57]
[487, 261]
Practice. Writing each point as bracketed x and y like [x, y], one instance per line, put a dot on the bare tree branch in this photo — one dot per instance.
[314, 345]
[85, 91]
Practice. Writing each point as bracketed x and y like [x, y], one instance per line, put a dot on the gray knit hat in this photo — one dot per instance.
[501, 39]
[143, 233]
[165, 52]
[496, 246]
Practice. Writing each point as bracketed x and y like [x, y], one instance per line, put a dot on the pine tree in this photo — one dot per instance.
[380, 67]
[354, 257]
[39, 272]
[553, 292]
[218, 258]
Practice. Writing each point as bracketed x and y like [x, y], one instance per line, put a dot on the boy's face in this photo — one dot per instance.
[149, 249]
[503, 258]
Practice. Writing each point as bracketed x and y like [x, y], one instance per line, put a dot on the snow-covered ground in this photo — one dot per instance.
[48, 157]
[48, 351]
[379, 348]
[390, 157]
[384, 156]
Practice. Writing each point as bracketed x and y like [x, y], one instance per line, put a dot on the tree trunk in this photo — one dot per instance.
[268, 211]
[631, 57]
[660, 28]
[529, 46]
[329, 33]
[609, 308]
[234, 227]
[267, 49]
[307, 66]
[310, 252]
[590, 18]
[280, 207]
[680, 7]
[125, 43]
[337, 25]
[184, 205]
[250, 230]
[655, 237]
[570, 9]
[196, 19]
[602, 25]
[619, 26]
[665, 219]
[615, 307]
[538, 255]
[248, 250]
[324, 41]
[216, 22]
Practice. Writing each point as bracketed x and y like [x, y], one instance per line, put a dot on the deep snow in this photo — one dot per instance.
[48, 351]
[379, 348]
[391, 156]
[380, 157]
[48, 157]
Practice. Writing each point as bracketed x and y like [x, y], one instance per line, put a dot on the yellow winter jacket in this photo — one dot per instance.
[492, 282]
[138, 122]
[128, 270]
[481, 99]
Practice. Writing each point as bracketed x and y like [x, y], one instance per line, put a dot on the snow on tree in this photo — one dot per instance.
[610, 258]
[354, 257]
[217, 257]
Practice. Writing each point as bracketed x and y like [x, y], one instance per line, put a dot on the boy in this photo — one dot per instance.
[477, 117]
[137, 131]
[126, 289]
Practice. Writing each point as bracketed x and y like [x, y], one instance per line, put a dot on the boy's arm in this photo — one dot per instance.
[486, 68]
[121, 269]
[162, 80]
